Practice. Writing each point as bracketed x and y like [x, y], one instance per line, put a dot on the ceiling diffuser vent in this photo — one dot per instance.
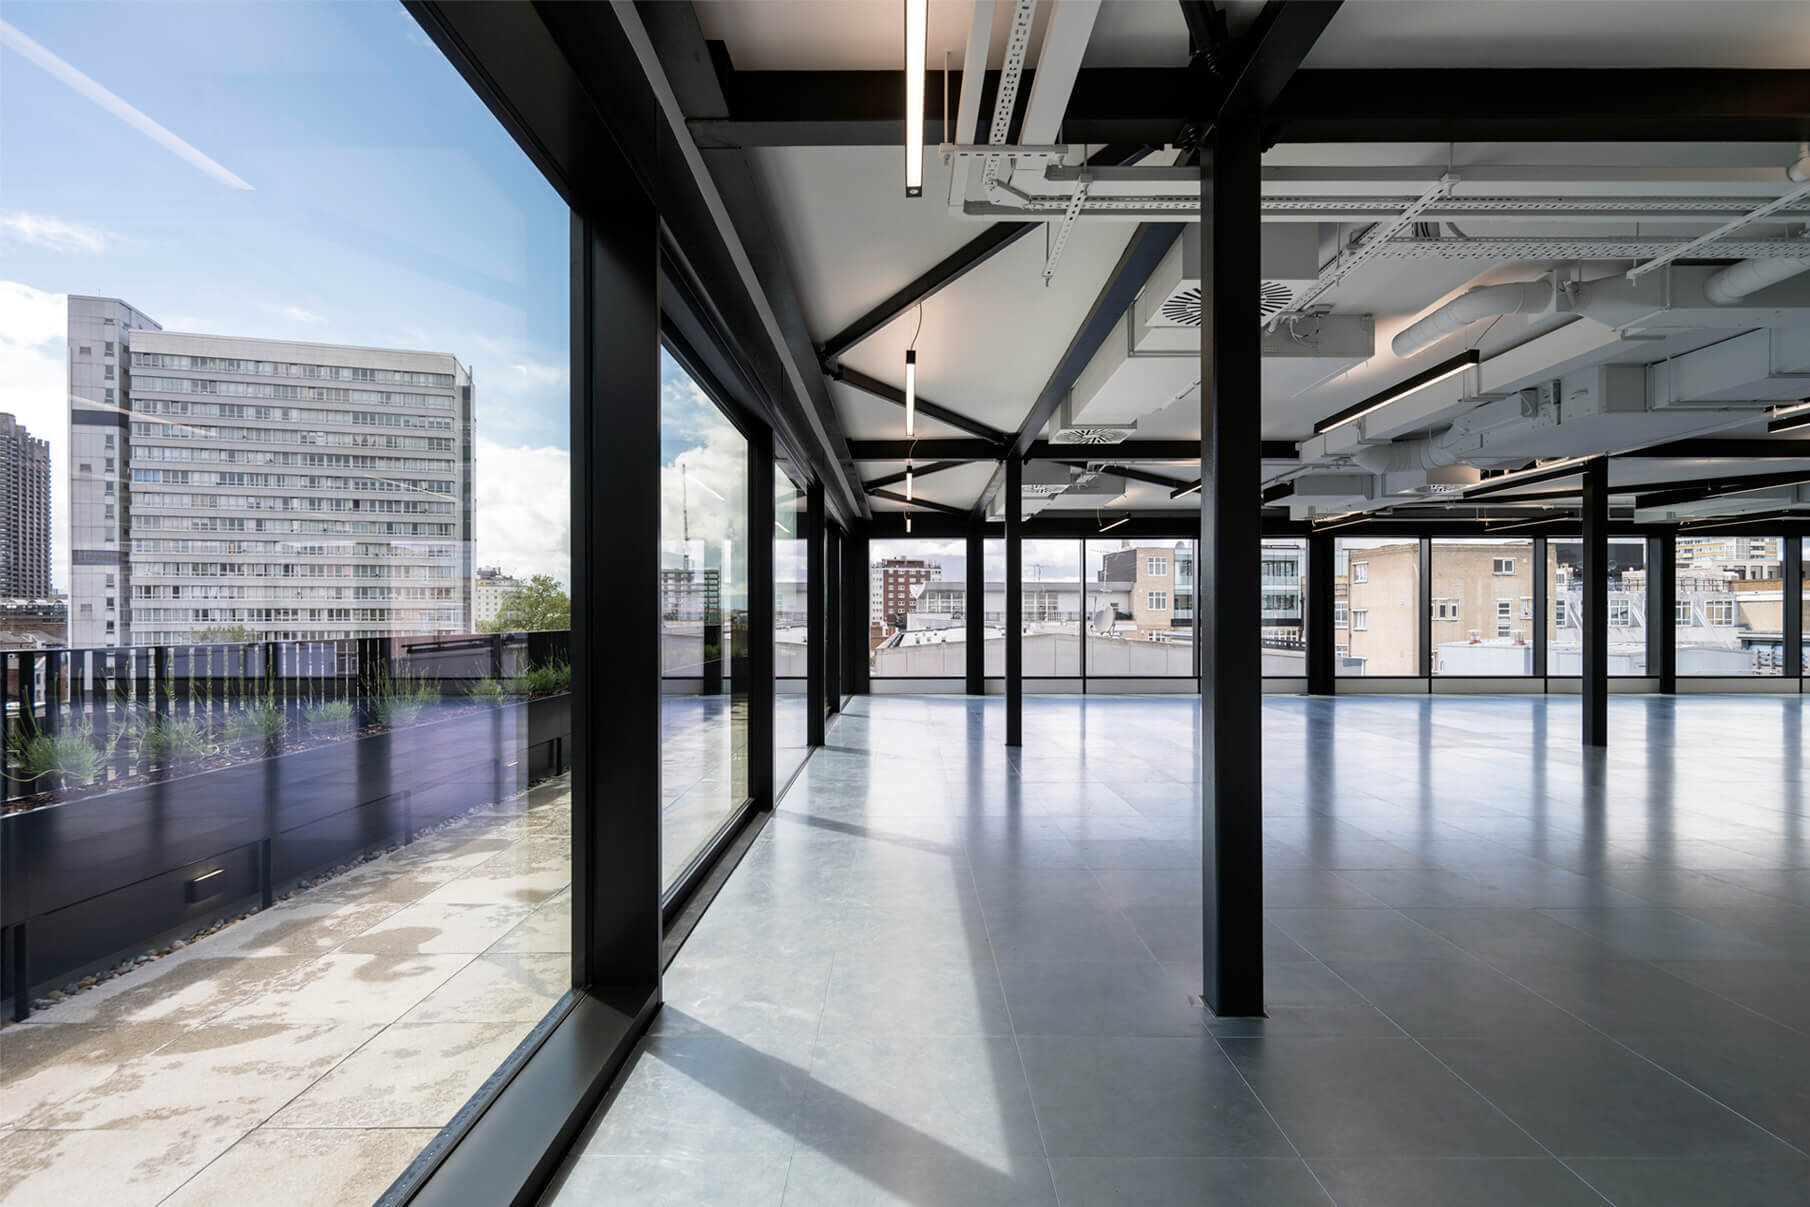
[1182, 308]
[1103, 434]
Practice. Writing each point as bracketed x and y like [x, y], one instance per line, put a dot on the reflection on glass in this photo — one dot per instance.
[1139, 608]
[791, 590]
[994, 651]
[918, 607]
[1627, 607]
[703, 618]
[1056, 598]
[1284, 606]
[1482, 607]
[1804, 655]
[1376, 609]
[307, 438]
[1730, 618]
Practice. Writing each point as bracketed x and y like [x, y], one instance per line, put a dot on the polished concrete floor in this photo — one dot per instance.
[1499, 971]
[303, 1056]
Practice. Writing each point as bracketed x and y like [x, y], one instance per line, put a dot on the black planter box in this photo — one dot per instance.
[87, 882]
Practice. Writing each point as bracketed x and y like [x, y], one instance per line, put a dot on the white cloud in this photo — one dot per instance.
[299, 315]
[524, 509]
[43, 230]
[534, 373]
[33, 386]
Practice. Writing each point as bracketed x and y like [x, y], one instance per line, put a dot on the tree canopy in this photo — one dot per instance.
[537, 603]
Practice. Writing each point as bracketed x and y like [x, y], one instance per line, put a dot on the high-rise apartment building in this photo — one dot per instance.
[24, 512]
[891, 581]
[293, 490]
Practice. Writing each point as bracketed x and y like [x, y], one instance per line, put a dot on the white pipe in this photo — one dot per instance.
[1485, 301]
[1731, 284]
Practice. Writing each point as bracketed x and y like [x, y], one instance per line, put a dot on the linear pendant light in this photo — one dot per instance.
[908, 481]
[911, 392]
[917, 21]
[1376, 402]
[1121, 520]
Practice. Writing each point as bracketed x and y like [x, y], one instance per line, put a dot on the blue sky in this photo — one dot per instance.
[385, 207]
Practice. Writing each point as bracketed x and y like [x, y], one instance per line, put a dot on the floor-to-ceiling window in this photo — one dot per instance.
[1803, 662]
[917, 592]
[703, 618]
[1137, 603]
[1057, 599]
[1482, 607]
[1628, 595]
[1376, 606]
[791, 594]
[1730, 612]
[1283, 617]
[288, 310]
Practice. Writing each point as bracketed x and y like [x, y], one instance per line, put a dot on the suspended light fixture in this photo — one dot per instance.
[911, 392]
[908, 481]
[1182, 492]
[917, 23]
[1467, 359]
[1109, 527]
[908, 522]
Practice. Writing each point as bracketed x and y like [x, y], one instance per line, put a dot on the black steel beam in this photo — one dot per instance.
[1127, 471]
[1793, 626]
[835, 585]
[857, 380]
[815, 636]
[1152, 105]
[917, 471]
[1143, 252]
[1544, 105]
[1705, 448]
[855, 621]
[1014, 617]
[1594, 564]
[1716, 488]
[948, 270]
[1274, 48]
[924, 504]
[1424, 603]
[1322, 667]
[1208, 42]
[975, 618]
[932, 450]
[760, 683]
[1662, 628]
[1541, 606]
[1227, 578]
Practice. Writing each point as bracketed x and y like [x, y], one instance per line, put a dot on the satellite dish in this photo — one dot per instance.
[1103, 620]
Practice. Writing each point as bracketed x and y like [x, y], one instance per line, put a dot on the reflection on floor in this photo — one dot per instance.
[703, 772]
[305, 1055]
[1499, 972]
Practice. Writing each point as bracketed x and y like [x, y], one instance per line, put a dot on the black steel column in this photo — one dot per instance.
[1540, 606]
[859, 577]
[1425, 595]
[832, 619]
[1662, 610]
[615, 486]
[815, 639]
[760, 618]
[1595, 568]
[1792, 572]
[975, 616]
[1014, 619]
[1227, 581]
[1320, 635]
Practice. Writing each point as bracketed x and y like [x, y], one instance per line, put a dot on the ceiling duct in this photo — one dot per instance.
[1043, 482]
[1153, 358]
[1485, 301]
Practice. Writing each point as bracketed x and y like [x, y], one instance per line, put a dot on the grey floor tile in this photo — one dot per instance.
[731, 1179]
[1519, 1182]
[1185, 1182]
[1069, 998]
[1348, 1097]
[909, 1172]
[1361, 934]
[1144, 1098]
[1032, 933]
[1699, 1183]
[1448, 997]
[1594, 1098]
[1757, 1070]
[1779, 989]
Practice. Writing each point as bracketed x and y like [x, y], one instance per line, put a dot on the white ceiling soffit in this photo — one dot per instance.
[954, 487]
[844, 35]
[865, 417]
[1565, 33]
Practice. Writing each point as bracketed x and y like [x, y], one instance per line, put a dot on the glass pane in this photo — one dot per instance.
[1730, 616]
[290, 317]
[1376, 606]
[1804, 654]
[1140, 608]
[1055, 599]
[1284, 616]
[994, 659]
[1482, 607]
[1627, 607]
[918, 607]
[703, 618]
[791, 590]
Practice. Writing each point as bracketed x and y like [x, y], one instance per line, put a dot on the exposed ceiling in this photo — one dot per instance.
[1578, 215]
